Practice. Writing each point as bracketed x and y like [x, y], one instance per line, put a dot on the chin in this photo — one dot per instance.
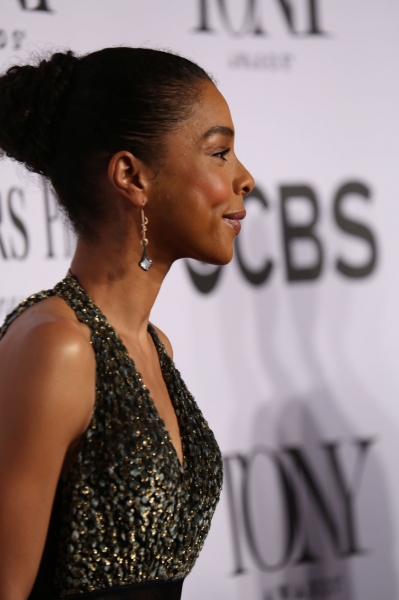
[220, 258]
[224, 261]
[215, 254]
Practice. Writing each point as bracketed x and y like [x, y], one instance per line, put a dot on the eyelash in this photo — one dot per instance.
[222, 154]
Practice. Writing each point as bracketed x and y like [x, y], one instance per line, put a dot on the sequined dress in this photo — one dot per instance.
[128, 520]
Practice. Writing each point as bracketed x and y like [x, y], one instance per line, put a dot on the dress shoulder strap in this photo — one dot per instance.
[77, 298]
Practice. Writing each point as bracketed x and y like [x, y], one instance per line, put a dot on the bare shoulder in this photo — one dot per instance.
[52, 310]
[46, 332]
[165, 340]
[47, 364]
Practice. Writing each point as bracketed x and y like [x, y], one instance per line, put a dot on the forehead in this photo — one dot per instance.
[211, 112]
[213, 106]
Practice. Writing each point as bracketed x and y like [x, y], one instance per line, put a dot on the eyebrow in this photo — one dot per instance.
[221, 129]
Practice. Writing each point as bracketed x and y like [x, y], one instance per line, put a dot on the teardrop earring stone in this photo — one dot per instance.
[145, 261]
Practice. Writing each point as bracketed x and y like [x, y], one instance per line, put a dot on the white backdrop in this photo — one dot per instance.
[293, 353]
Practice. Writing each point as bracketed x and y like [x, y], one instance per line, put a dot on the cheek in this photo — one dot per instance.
[214, 188]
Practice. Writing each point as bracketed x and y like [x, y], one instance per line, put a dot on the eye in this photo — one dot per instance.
[222, 154]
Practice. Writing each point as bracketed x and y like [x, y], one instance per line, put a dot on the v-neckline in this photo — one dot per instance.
[159, 347]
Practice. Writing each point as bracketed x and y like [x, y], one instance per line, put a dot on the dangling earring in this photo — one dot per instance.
[145, 261]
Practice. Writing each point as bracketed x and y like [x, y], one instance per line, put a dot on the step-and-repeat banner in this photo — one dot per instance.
[292, 350]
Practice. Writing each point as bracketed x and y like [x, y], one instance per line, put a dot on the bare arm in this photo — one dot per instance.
[46, 397]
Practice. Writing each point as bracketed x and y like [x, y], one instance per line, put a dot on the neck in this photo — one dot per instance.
[120, 288]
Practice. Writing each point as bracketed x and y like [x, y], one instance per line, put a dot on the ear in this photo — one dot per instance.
[130, 177]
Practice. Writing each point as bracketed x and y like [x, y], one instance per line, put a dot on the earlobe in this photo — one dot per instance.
[126, 174]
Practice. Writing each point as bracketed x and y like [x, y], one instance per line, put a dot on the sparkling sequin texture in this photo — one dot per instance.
[130, 511]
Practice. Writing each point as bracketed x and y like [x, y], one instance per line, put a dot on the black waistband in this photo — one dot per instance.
[149, 590]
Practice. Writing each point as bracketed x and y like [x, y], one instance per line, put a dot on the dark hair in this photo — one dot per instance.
[67, 116]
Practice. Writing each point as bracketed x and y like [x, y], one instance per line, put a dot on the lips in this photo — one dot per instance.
[233, 220]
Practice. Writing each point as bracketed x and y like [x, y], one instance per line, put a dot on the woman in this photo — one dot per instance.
[109, 473]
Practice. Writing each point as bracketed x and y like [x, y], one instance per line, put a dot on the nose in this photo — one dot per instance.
[245, 181]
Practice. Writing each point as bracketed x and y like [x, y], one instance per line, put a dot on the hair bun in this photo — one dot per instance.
[31, 100]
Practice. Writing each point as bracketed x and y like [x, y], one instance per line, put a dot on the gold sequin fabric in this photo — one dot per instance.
[130, 511]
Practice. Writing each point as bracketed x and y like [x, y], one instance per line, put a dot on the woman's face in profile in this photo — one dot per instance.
[201, 183]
